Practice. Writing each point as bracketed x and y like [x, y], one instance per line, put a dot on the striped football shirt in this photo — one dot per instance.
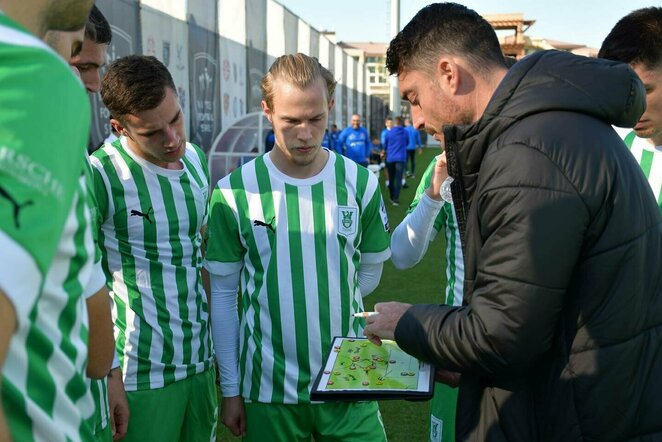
[150, 240]
[299, 243]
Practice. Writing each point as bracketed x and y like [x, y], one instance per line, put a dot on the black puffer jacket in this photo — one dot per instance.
[560, 337]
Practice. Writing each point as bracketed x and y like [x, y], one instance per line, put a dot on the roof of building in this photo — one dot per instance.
[507, 21]
[369, 47]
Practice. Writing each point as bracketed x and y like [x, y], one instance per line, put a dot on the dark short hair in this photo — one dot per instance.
[636, 39]
[97, 27]
[444, 28]
[134, 84]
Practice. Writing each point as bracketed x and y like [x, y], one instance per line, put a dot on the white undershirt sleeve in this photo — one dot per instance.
[411, 238]
[225, 329]
[369, 276]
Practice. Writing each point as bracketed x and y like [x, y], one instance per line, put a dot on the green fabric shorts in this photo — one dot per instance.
[186, 410]
[327, 422]
[442, 413]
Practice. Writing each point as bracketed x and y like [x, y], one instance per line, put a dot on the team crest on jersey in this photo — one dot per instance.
[382, 213]
[347, 220]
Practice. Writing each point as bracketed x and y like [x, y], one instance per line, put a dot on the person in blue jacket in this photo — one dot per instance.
[354, 142]
[413, 145]
[395, 146]
[334, 134]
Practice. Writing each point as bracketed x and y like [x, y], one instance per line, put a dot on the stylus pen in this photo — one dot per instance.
[365, 314]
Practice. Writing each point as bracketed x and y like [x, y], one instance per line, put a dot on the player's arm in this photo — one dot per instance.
[117, 403]
[7, 328]
[369, 276]
[101, 345]
[411, 238]
[225, 333]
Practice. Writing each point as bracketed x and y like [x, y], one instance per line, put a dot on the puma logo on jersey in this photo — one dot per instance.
[144, 215]
[269, 226]
[17, 207]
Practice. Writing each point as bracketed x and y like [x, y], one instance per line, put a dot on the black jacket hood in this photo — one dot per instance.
[559, 81]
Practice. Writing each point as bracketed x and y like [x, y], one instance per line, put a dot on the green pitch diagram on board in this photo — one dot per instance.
[361, 365]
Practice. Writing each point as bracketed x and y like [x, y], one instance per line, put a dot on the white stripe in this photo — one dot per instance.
[14, 37]
[21, 284]
[655, 177]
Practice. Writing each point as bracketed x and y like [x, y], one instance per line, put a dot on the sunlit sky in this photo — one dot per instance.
[584, 22]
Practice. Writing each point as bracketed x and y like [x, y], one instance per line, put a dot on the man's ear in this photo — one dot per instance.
[447, 74]
[267, 111]
[118, 126]
[332, 102]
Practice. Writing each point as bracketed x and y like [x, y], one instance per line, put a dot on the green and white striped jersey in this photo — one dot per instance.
[649, 158]
[46, 264]
[299, 243]
[447, 221]
[150, 241]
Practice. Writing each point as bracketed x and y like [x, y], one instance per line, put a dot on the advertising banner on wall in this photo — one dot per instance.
[256, 51]
[233, 82]
[203, 13]
[166, 38]
[232, 28]
[123, 16]
[204, 86]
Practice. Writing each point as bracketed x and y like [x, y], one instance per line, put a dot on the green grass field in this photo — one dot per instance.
[404, 420]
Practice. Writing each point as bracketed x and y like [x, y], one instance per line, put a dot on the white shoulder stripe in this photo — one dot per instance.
[17, 38]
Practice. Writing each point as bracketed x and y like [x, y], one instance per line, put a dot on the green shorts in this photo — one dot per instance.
[186, 410]
[104, 435]
[442, 413]
[330, 421]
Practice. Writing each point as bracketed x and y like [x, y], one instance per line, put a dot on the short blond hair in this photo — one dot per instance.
[298, 69]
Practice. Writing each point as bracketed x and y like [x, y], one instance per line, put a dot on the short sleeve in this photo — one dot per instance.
[41, 148]
[375, 240]
[225, 251]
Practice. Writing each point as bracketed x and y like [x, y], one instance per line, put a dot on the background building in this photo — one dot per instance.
[217, 52]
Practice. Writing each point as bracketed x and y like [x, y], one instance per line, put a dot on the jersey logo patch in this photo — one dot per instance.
[347, 219]
[270, 225]
[17, 207]
[144, 215]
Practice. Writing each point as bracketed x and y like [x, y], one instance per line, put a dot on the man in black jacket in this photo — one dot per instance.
[559, 337]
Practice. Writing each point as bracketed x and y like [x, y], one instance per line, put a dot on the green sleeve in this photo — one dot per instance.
[374, 224]
[100, 197]
[440, 221]
[222, 237]
[44, 127]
